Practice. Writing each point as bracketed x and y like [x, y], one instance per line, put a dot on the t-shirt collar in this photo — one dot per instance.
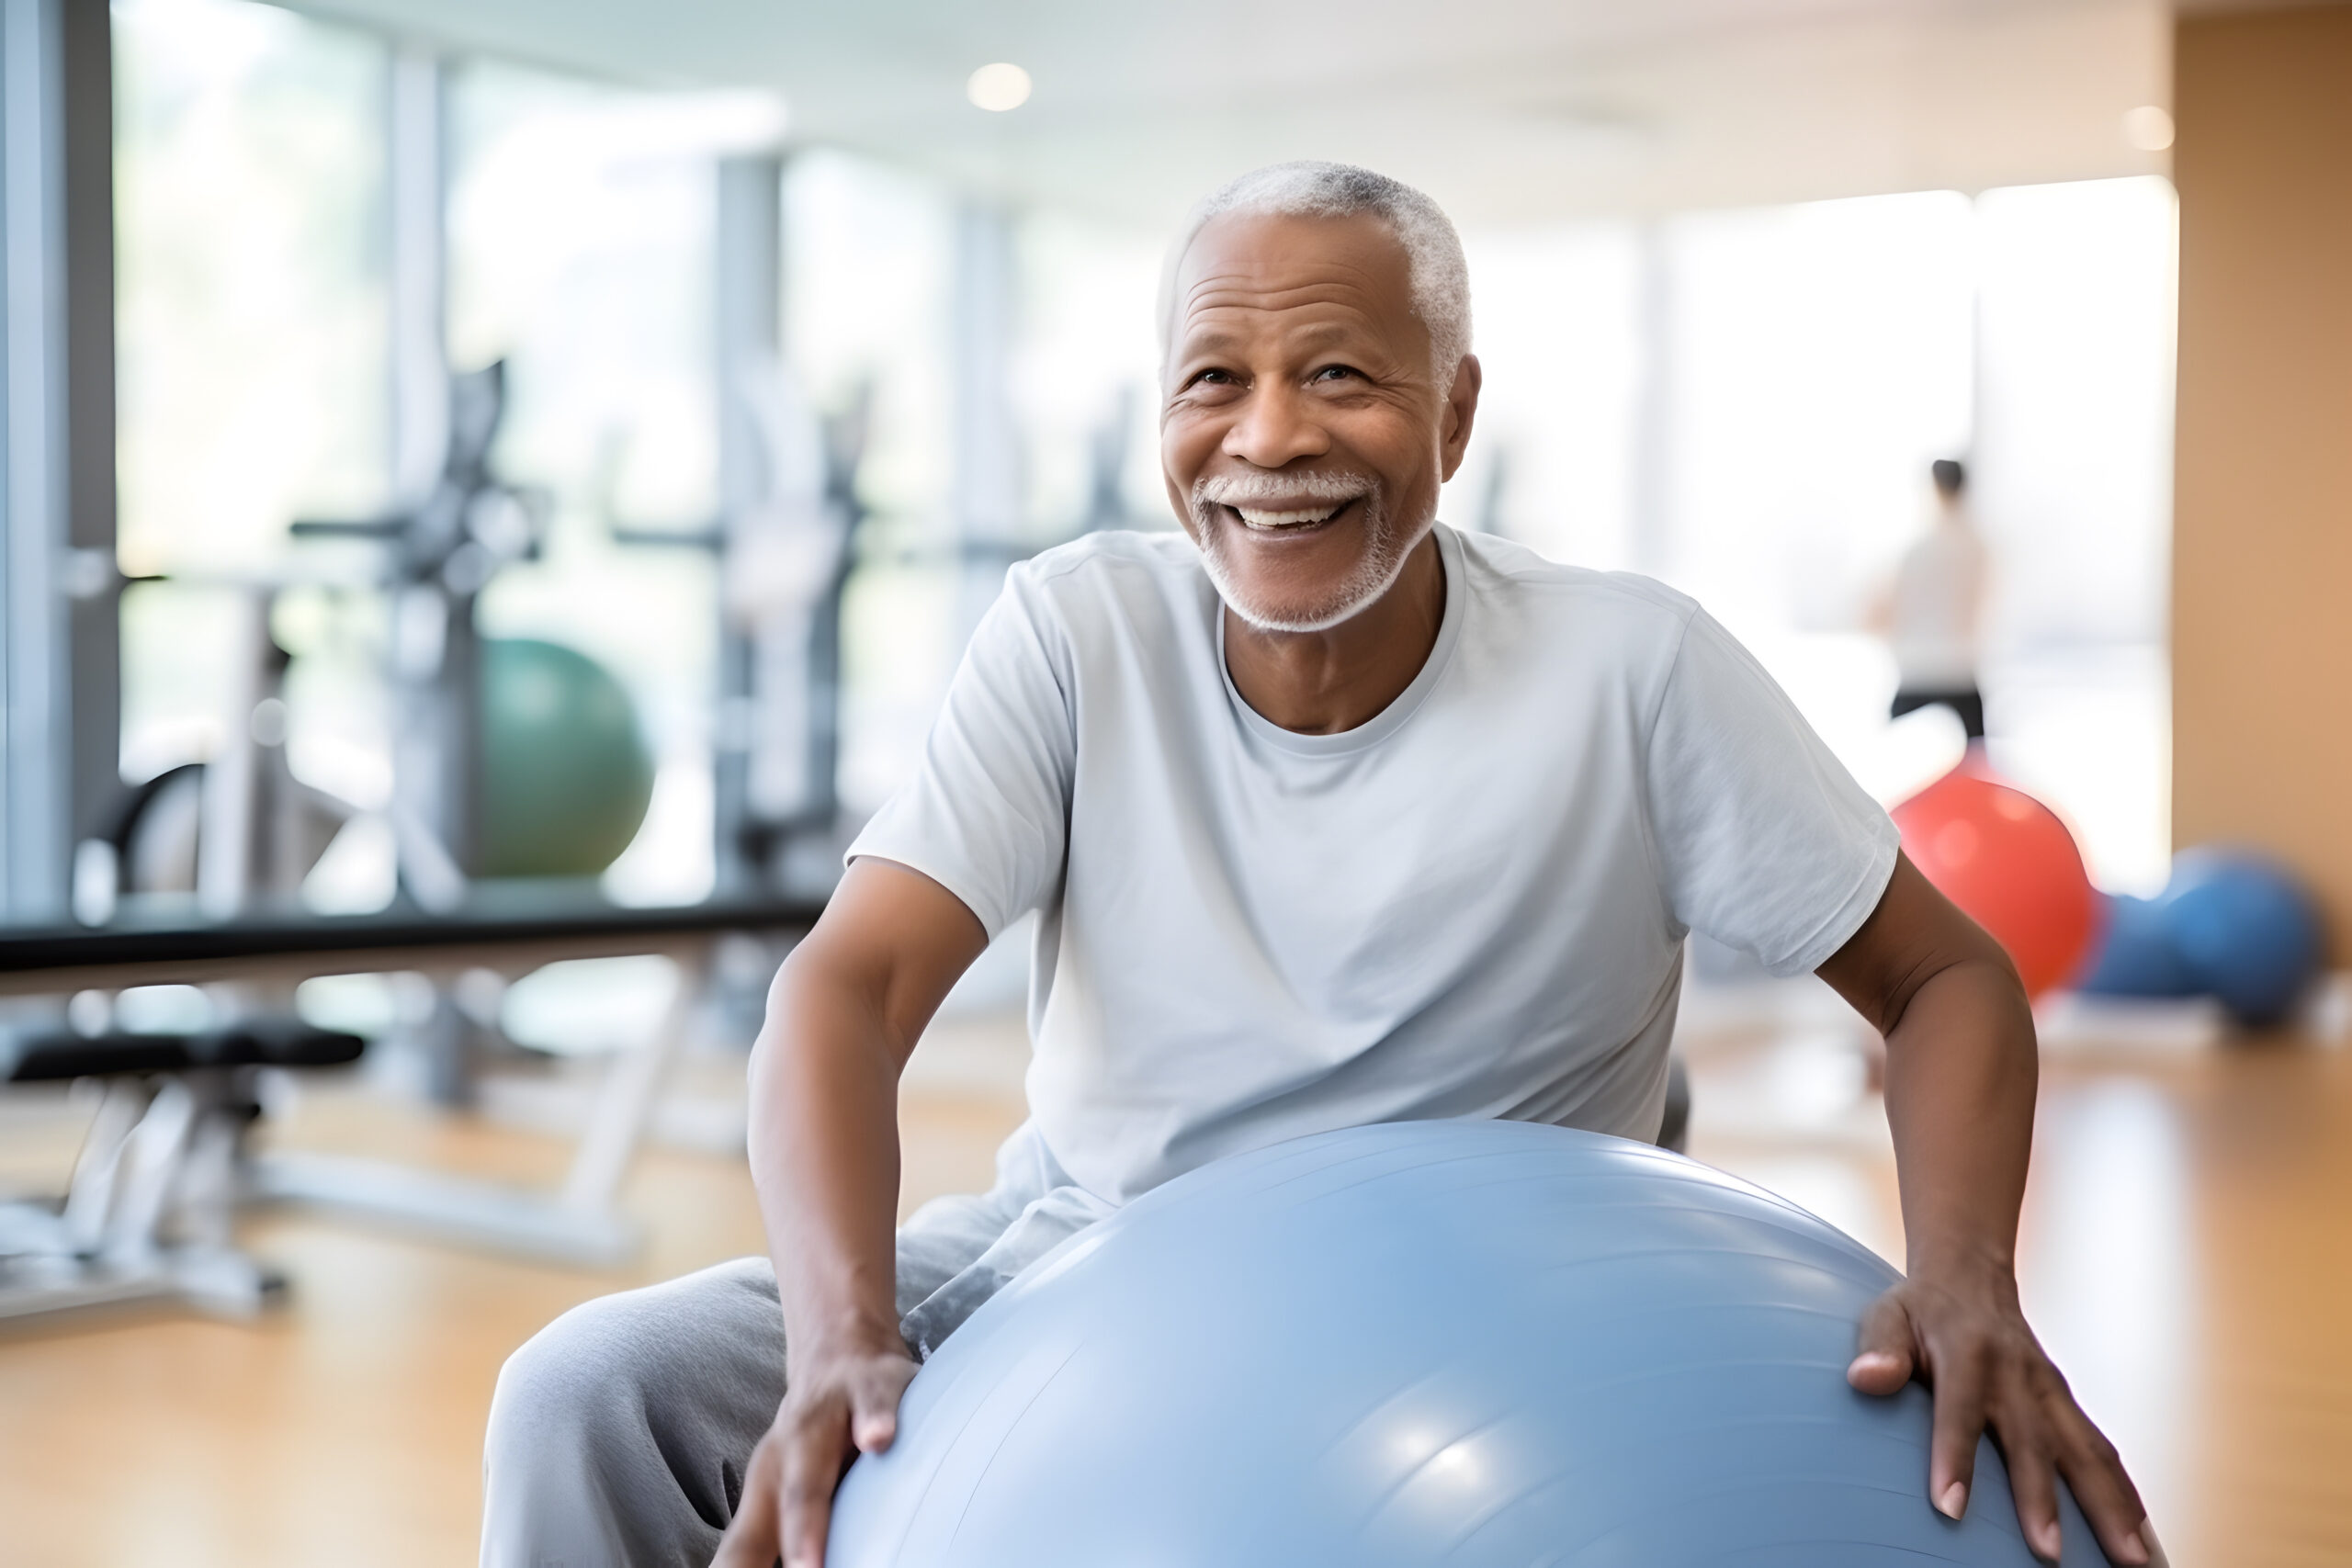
[1388, 721]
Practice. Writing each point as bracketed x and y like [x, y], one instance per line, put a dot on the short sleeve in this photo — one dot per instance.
[987, 816]
[1766, 841]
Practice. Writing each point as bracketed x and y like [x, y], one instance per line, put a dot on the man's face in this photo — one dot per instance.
[1304, 434]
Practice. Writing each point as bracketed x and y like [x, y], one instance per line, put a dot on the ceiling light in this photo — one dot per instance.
[998, 87]
[2147, 127]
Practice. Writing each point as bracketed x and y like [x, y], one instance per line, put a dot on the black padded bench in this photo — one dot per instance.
[48, 1055]
[45, 1056]
[148, 1212]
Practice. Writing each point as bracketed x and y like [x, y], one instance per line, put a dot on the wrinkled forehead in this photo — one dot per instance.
[1248, 275]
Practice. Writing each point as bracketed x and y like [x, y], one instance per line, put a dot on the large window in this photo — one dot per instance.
[2075, 437]
[1745, 404]
[250, 330]
[581, 222]
[869, 286]
[256, 382]
[1818, 359]
[1742, 402]
[1084, 378]
[1555, 461]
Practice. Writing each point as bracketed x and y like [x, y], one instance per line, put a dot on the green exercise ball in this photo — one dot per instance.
[565, 771]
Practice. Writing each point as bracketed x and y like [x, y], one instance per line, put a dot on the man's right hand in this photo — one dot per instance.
[844, 1016]
[837, 1406]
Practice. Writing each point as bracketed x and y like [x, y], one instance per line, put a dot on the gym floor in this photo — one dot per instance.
[2187, 1255]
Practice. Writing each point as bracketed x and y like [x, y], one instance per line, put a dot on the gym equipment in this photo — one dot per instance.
[785, 544]
[2008, 861]
[433, 558]
[252, 831]
[148, 1212]
[1466, 1343]
[202, 1080]
[2231, 924]
[514, 758]
[566, 773]
[510, 759]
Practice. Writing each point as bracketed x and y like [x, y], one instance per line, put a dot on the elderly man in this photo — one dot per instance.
[1332, 814]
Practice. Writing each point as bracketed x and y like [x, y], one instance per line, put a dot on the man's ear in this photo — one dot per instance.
[1460, 411]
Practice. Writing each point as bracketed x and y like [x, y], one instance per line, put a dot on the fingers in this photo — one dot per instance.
[2044, 1435]
[843, 1406]
[751, 1540]
[2093, 1472]
[1959, 1423]
[1966, 1338]
[814, 1453]
[747, 1545]
[1883, 1351]
[874, 1403]
[2033, 1481]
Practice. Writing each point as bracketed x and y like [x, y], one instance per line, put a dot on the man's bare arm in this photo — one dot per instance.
[1960, 1070]
[844, 1016]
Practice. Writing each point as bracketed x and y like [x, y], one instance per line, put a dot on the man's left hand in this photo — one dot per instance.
[1962, 1334]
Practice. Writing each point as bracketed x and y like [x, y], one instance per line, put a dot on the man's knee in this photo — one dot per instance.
[617, 1433]
[681, 1355]
[570, 1383]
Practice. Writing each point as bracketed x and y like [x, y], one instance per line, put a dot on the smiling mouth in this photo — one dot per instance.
[1268, 520]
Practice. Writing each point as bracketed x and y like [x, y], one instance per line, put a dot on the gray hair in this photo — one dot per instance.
[1441, 277]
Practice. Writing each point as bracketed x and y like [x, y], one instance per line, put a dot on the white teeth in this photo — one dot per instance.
[1255, 518]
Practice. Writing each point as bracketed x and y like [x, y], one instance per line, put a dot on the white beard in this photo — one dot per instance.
[1386, 549]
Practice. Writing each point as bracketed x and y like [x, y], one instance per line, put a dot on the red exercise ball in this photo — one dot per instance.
[2006, 859]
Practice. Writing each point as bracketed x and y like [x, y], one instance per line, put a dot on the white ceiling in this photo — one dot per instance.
[1506, 110]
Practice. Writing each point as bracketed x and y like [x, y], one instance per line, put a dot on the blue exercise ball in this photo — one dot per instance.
[1466, 1343]
[2246, 930]
[2136, 954]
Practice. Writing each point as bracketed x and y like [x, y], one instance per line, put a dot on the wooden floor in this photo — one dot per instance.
[2187, 1258]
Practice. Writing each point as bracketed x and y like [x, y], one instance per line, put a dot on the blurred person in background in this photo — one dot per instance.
[1932, 612]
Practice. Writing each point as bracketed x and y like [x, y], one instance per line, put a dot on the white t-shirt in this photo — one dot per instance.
[1472, 906]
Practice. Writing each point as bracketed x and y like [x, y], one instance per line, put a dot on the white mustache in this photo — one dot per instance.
[1246, 489]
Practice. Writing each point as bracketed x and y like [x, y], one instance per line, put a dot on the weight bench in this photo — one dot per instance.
[507, 930]
[148, 1211]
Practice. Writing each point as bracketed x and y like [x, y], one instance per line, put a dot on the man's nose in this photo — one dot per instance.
[1275, 426]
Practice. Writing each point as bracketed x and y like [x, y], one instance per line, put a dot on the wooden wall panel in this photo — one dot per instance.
[2262, 597]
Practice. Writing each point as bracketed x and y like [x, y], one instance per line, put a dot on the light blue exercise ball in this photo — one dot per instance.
[1462, 1343]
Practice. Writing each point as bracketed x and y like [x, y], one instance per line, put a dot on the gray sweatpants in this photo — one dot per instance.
[619, 1433]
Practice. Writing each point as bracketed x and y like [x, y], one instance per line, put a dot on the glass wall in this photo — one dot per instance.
[872, 294]
[1745, 404]
[256, 384]
[1085, 376]
[580, 227]
[1818, 360]
[868, 284]
[1556, 460]
[2073, 438]
[1742, 402]
[251, 332]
